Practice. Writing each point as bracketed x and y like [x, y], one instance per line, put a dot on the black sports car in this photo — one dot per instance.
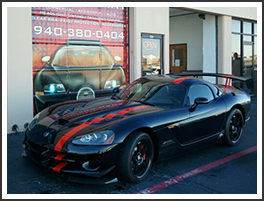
[153, 118]
[78, 69]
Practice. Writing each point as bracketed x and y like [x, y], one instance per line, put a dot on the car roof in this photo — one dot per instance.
[184, 80]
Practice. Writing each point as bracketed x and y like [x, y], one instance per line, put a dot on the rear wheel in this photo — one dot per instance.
[136, 158]
[234, 128]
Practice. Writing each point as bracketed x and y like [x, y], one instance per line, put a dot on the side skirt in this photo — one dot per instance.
[177, 149]
[220, 135]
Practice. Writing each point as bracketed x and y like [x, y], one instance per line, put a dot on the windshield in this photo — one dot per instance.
[153, 92]
[82, 56]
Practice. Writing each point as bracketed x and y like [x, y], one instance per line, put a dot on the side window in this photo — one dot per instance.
[199, 91]
[172, 95]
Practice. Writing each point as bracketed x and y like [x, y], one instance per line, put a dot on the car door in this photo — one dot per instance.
[205, 119]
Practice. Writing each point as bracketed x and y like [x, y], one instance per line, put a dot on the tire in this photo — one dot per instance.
[136, 158]
[233, 128]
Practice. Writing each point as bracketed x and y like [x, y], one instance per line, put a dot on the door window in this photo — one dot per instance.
[178, 58]
[199, 91]
[151, 61]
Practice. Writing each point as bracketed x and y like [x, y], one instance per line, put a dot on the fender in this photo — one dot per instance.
[151, 121]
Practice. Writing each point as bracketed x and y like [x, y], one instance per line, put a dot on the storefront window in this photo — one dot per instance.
[255, 63]
[247, 60]
[236, 54]
[255, 52]
[247, 27]
[255, 28]
[247, 38]
[236, 26]
[244, 46]
[77, 49]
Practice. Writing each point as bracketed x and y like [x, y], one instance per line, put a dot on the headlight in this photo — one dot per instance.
[53, 88]
[33, 122]
[101, 138]
[110, 84]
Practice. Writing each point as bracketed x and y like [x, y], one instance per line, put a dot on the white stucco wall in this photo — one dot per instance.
[224, 46]
[19, 67]
[147, 20]
[189, 29]
[209, 46]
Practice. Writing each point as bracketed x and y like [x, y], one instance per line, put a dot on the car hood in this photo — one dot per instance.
[79, 118]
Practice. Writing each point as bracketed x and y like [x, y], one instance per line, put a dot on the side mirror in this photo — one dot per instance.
[201, 100]
[45, 59]
[198, 101]
[118, 58]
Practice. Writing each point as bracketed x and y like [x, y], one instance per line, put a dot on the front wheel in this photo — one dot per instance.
[135, 158]
[234, 128]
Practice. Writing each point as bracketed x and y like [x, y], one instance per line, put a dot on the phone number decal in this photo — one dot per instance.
[81, 33]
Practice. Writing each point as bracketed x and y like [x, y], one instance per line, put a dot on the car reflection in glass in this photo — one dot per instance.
[79, 69]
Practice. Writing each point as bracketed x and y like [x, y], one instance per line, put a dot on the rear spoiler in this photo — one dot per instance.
[228, 77]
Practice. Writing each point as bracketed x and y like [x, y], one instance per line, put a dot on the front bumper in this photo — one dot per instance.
[70, 166]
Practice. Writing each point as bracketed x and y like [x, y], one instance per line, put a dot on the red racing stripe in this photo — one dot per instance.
[58, 167]
[179, 80]
[110, 116]
[59, 157]
[62, 141]
[69, 134]
[97, 120]
[122, 112]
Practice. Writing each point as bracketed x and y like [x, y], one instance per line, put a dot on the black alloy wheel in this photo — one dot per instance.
[140, 162]
[136, 158]
[234, 128]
